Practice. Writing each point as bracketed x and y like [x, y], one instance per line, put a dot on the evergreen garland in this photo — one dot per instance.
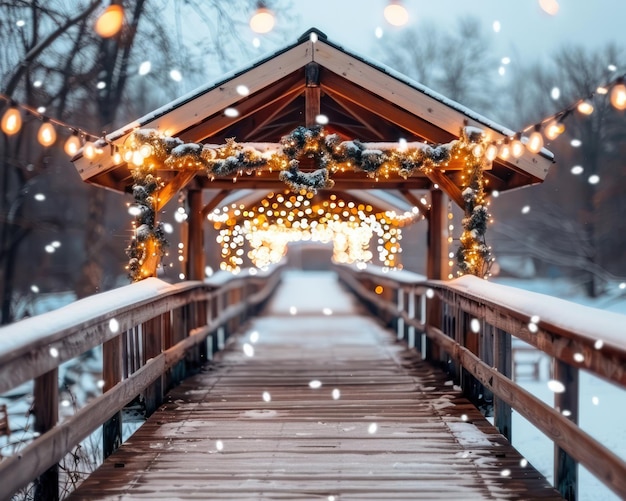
[330, 153]
[149, 236]
[474, 255]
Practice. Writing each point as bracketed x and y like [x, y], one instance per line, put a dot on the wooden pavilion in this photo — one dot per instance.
[293, 87]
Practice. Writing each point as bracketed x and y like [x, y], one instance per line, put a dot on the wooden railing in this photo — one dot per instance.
[152, 334]
[466, 326]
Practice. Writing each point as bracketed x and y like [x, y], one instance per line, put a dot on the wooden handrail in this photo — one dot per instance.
[470, 300]
[151, 307]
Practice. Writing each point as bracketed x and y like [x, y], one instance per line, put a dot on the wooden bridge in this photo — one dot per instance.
[313, 398]
[371, 392]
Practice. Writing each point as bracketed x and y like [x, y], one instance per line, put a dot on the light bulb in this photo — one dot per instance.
[89, 150]
[492, 152]
[517, 148]
[110, 21]
[263, 19]
[618, 96]
[11, 121]
[554, 129]
[585, 107]
[46, 135]
[396, 14]
[535, 142]
[72, 145]
[549, 6]
[505, 151]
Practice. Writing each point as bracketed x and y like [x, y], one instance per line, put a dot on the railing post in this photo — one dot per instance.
[411, 314]
[565, 467]
[152, 347]
[112, 374]
[400, 320]
[503, 362]
[46, 409]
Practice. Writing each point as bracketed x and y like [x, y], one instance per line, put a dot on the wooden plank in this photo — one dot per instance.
[217, 438]
[181, 180]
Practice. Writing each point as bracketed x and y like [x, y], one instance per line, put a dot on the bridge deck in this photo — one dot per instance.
[394, 429]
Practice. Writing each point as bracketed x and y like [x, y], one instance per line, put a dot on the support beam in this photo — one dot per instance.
[312, 94]
[215, 201]
[176, 184]
[412, 199]
[437, 239]
[447, 185]
[195, 237]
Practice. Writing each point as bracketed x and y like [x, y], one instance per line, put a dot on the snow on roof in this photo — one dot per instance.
[322, 38]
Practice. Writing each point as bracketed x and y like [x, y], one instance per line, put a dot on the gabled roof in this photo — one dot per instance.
[361, 99]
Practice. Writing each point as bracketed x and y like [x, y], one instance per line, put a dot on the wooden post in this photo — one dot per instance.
[195, 239]
[112, 374]
[565, 467]
[503, 362]
[46, 408]
[312, 94]
[437, 259]
[152, 345]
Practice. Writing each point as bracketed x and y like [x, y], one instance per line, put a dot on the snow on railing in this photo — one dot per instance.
[466, 325]
[151, 334]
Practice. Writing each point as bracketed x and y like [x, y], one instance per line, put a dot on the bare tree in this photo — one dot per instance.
[458, 64]
[50, 57]
[575, 220]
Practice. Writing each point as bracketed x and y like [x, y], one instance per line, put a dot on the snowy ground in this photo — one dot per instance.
[602, 406]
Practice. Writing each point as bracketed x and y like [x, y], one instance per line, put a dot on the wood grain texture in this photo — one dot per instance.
[428, 443]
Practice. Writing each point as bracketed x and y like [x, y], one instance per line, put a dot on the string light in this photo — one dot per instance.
[618, 94]
[535, 140]
[11, 120]
[395, 13]
[263, 19]
[517, 147]
[110, 22]
[554, 129]
[46, 134]
[72, 145]
[585, 107]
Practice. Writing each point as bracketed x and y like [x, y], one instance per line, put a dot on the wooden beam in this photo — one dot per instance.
[312, 94]
[195, 239]
[218, 122]
[360, 115]
[204, 104]
[415, 101]
[424, 209]
[214, 202]
[448, 186]
[341, 89]
[174, 186]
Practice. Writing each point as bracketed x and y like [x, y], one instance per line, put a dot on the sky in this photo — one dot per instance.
[526, 30]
